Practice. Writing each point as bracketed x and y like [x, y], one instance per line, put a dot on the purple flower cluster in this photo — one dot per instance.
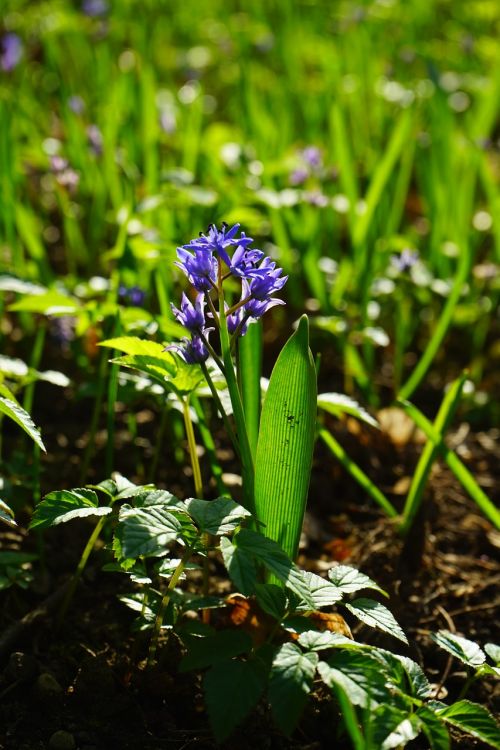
[65, 175]
[11, 51]
[310, 162]
[207, 261]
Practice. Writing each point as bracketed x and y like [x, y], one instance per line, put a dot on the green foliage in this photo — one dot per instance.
[14, 411]
[286, 442]
[290, 682]
[65, 505]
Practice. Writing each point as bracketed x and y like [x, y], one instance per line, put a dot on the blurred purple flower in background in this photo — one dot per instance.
[132, 295]
[95, 8]
[11, 51]
[94, 138]
[76, 104]
[312, 156]
[405, 260]
[65, 175]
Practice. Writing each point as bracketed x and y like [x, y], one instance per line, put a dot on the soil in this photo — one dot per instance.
[85, 685]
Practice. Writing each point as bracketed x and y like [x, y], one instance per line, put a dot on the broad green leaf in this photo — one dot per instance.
[148, 498]
[349, 580]
[7, 514]
[216, 517]
[323, 593]
[291, 678]
[473, 719]
[149, 531]
[133, 345]
[232, 688]
[240, 565]
[467, 651]
[65, 505]
[493, 652]
[360, 675]
[404, 670]
[272, 599]
[21, 417]
[377, 616]
[338, 403]
[222, 645]
[434, 729]
[405, 730]
[286, 442]
[313, 640]
[48, 303]
[268, 553]
[13, 367]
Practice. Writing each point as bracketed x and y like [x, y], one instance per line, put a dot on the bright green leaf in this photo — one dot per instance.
[467, 651]
[473, 719]
[349, 580]
[21, 417]
[217, 517]
[65, 505]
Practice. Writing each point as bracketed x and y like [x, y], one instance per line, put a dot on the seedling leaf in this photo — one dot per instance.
[240, 565]
[467, 651]
[216, 517]
[222, 645]
[349, 580]
[291, 679]
[359, 674]
[474, 719]
[377, 616]
[21, 417]
[434, 729]
[149, 531]
[232, 688]
[65, 505]
[323, 593]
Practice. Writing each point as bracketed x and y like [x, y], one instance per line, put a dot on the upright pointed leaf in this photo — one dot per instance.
[286, 442]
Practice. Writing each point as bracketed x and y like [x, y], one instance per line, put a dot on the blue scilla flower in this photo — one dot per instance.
[244, 261]
[200, 268]
[405, 261]
[191, 316]
[266, 280]
[218, 240]
[192, 351]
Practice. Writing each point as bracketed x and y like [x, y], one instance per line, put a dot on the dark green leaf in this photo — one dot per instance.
[216, 517]
[291, 679]
[240, 565]
[360, 675]
[61, 506]
[473, 719]
[232, 688]
[272, 599]
[375, 615]
[434, 729]
[222, 645]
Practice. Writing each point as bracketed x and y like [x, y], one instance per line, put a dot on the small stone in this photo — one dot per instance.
[21, 667]
[47, 686]
[62, 740]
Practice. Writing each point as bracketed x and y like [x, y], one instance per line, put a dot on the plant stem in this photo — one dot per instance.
[164, 604]
[248, 470]
[198, 484]
[218, 403]
[79, 570]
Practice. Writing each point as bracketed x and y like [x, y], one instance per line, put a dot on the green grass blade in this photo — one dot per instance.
[455, 464]
[286, 442]
[441, 423]
[440, 330]
[358, 474]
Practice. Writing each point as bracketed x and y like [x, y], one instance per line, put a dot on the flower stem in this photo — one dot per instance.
[164, 604]
[248, 470]
[218, 403]
[195, 464]
[79, 570]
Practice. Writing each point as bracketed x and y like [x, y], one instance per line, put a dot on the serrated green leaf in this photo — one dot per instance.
[313, 640]
[404, 667]
[338, 403]
[467, 651]
[349, 580]
[21, 417]
[323, 593]
[222, 645]
[232, 688]
[434, 729]
[493, 652]
[240, 565]
[286, 441]
[375, 615]
[290, 682]
[272, 599]
[406, 729]
[360, 675]
[65, 505]
[474, 719]
[148, 531]
[217, 517]
[268, 553]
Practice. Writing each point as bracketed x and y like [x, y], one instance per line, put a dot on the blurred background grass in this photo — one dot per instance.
[357, 142]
